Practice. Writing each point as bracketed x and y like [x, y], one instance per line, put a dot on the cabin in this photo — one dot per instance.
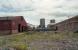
[12, 24]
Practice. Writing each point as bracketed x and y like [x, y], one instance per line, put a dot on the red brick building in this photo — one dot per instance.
[14, 24]
[70, 25]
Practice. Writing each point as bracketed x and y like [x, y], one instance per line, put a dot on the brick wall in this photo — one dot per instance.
[68, 25]
[5, 25]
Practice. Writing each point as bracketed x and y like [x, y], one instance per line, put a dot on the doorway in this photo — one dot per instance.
[19, 29]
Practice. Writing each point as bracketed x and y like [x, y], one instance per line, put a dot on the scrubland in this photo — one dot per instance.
[40, 41]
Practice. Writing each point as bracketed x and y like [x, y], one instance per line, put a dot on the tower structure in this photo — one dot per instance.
[42, 23]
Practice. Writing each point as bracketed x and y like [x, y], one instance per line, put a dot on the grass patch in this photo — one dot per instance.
[20, 46]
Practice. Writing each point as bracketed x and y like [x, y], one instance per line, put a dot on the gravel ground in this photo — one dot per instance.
[53, 45]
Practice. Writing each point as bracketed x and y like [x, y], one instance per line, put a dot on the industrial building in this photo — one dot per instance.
[69, 25]
[12, 24]
[41, 27]
[51, 26]
[42, 23]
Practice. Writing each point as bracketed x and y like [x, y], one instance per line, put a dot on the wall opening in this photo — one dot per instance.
[19, 29]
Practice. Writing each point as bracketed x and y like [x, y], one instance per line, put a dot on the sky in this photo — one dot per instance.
[33, 10]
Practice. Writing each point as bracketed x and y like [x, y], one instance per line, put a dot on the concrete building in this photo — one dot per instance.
[42, 23]
[12, 24]
[52, 21]
[41, 27]
[51, 26]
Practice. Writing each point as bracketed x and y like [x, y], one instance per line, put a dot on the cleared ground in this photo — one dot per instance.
[40, 41]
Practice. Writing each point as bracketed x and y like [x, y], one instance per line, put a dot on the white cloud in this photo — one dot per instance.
[15, 5]
[33, 10]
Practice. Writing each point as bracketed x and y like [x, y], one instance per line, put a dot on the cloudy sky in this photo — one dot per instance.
[33, 10]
